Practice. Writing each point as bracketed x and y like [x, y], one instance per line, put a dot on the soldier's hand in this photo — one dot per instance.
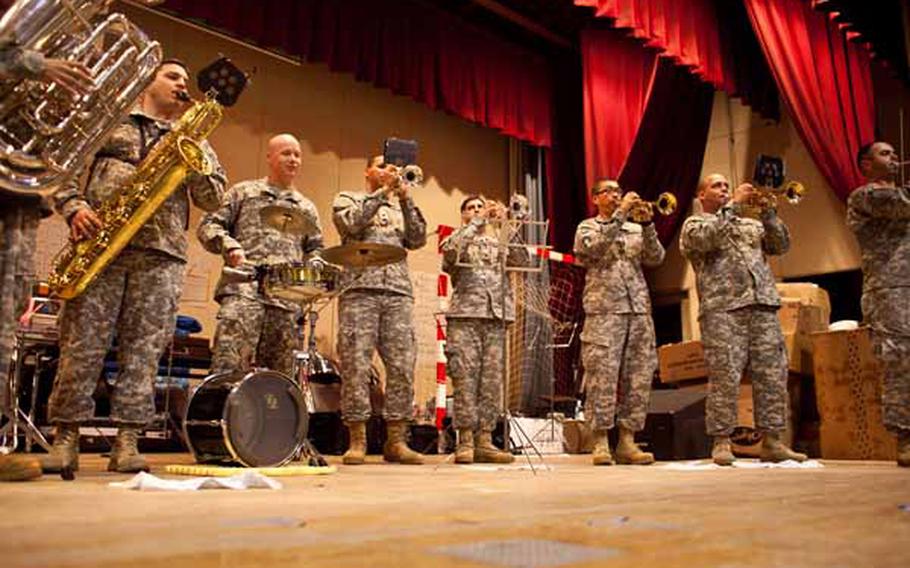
[71, 75]
[84, 224]
[628, 200]
[235, 258]
[743, 193]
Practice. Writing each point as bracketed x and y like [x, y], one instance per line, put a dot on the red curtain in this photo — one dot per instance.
[618, 73]
[686, 30]
[670, 146]
[825, 82]
[406, 46]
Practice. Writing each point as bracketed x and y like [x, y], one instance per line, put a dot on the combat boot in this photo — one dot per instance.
[396, 448]
[64, 454]
[486, 452]
[125, 456]
[722, 452]
[464, 451]
[19, 468]
[628, 452]
[357, 448]
[774, 450]
[903, 449]
[601, 455]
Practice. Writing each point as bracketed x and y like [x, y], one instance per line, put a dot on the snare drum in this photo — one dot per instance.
[256, 419]
[297, 282]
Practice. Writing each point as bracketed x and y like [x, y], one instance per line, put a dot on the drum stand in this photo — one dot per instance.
[16, 417]
[303, 360]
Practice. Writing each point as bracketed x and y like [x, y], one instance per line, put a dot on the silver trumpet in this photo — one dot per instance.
[46, 132]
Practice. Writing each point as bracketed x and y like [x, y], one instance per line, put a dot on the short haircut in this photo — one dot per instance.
[173, 61]
[610, 183]
[864, 152]
[375, 160]
[468, 199]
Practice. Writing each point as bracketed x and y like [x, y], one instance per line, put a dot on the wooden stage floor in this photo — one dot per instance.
[378, 515]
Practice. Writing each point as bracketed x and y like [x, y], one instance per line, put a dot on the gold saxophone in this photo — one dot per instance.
[176, 155]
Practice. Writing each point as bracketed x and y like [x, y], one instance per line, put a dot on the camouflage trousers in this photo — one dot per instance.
[136, 296]
[250, 332]
[18, 233]
[474, 353]
[370, 321]
[888, 312]
[747, 339]
[618, 353]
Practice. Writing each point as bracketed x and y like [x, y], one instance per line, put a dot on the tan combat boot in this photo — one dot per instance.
[486, 452]
[722, 452]
[64, 454]
[357, 448]
[903, 449]
[125, 456]
[464, 451]
[628, 452]
[601, 455]
[396, 448]
[774, 450]
[19, 468]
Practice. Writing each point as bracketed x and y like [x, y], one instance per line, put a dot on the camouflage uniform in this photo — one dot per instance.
[376, 312]
[738, 313]
[475, 334]
[18, 62]
[18, 230]
[879, 218]
[251, 324]
[137, 294]
[618, 336]
[19, 217]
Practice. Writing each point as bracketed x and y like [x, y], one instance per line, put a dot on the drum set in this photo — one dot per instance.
[260, 417]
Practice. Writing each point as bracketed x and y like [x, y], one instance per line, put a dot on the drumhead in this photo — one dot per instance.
[266, 419]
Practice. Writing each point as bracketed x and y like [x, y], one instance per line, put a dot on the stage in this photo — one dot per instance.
[845, 514]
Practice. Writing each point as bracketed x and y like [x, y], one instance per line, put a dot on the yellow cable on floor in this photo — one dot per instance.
[227, 471]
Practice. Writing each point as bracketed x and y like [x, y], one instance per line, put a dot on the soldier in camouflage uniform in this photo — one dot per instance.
[618, 337]
[19, 216]
[376, 309]
[252, 324]
[879, 215]
[136, 296]
[738, 313]
[475, 334]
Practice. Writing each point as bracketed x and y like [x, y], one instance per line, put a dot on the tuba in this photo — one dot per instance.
[47, 133]
[177, 154]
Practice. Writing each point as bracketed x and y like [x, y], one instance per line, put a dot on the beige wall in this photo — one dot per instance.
[339, 122]
[821, 241]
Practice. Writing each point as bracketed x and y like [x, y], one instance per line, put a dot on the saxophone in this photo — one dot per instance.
[177, 154]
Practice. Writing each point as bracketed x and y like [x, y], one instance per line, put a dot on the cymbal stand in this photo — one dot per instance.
[16, 417]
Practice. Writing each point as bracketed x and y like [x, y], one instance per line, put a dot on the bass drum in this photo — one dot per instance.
[256, 419]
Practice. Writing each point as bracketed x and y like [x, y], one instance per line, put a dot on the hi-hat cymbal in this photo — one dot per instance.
[363, 255]
[286, 220]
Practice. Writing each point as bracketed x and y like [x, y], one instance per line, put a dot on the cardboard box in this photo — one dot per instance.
[810, 295]
[848, 395]
[682, 361]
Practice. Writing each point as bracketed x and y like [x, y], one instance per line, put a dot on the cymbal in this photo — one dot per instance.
[363, 255]
[286, 220]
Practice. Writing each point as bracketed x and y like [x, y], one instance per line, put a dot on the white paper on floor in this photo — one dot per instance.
[247, 480]
[701, 465]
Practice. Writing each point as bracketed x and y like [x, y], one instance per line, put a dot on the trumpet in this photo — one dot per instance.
[643, 211]
[765, 198]
[410, 175]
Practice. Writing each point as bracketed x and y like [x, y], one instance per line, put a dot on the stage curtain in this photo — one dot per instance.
[670, 145]
[618, 73]
[406, 46]
[825, 82]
